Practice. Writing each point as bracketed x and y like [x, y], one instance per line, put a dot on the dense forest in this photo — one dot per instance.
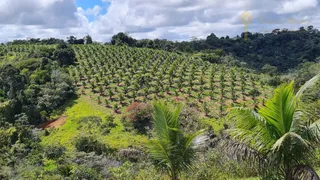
[245, 107]
[282, 48]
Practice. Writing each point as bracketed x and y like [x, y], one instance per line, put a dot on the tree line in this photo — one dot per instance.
[282, 48]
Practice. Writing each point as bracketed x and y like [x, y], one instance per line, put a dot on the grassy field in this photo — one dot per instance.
[84, 107]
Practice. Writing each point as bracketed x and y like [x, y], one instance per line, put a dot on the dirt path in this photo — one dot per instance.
[54, 124]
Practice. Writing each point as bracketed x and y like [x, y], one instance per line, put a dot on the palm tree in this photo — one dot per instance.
[171, 150]
[278, 131]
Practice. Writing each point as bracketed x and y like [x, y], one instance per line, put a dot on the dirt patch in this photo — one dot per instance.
[54, 124]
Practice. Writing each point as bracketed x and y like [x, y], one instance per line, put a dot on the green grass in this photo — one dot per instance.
[84, 106]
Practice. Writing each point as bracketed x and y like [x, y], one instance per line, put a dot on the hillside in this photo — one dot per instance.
[110, 78]
[117, 76]
[86, 110]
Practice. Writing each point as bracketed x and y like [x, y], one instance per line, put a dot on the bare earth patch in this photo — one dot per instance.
[54, 124]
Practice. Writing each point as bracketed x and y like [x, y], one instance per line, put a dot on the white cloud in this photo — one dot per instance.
[95, 11]
[49, 13]
[172, 19]
[293, 6]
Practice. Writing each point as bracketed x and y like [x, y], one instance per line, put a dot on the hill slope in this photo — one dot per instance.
[117, 76]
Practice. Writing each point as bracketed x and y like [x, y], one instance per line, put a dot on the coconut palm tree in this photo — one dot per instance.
[278, 130]
[171, 150]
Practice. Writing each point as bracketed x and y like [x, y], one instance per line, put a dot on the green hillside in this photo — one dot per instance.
[110, 78]
[117, 76]
[86, 111]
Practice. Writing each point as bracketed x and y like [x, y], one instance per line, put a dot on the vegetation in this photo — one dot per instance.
[278, 132]
[172, 150]
[133, 109]
[140, 75]
[281, 49]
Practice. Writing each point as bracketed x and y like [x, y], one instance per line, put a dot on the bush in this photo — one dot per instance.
[54, 151]
[90, 144]
[274, 81]
[100, 163]
[85, 173]
[108, 125]
[140, 116]
[65, 170]
[215, 165]
[189, 119]
[131, 154]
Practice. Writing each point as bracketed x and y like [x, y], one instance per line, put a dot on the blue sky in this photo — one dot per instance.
[86, 4]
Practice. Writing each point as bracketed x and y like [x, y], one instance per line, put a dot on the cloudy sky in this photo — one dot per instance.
[170, 19]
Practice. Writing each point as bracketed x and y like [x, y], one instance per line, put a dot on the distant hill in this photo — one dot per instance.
[283, 49]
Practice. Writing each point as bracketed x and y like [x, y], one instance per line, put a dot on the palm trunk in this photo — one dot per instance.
[174, 175]
[286, 166]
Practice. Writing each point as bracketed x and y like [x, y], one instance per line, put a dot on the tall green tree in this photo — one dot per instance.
[64, 54]
[171, 149]
[278, 131]
[122, 39]
[88, 39]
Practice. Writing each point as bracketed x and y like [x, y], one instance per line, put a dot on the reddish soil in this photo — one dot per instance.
[177, 99]
[54, 124]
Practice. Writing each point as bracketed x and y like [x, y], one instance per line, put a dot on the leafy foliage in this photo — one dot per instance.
[278, 130]
[90, 144]
[64, 54]
[171, 150]
[281, 49]
[140, 115]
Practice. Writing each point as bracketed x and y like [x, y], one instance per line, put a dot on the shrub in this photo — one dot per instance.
[140, 115]
[108, 125]
[100, 163]
[65, 170]
[274, 81]
[54, 151]
[90, 144]
[213, 164]
[132, 154]
[85, 173]
[189, 119]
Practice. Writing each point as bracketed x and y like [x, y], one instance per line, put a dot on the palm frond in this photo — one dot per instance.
[312, 132]
[276, 130]
[171, 150]
[288, 139]
[307, 85]
[242, 152]
[303, 172]
[251, 127]
[279, 110]
[160, 121]
[196, 139]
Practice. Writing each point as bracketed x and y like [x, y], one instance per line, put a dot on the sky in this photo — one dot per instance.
[165, 19]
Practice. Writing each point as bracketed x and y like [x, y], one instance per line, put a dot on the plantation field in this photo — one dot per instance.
[111, 78]
[118, 76]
